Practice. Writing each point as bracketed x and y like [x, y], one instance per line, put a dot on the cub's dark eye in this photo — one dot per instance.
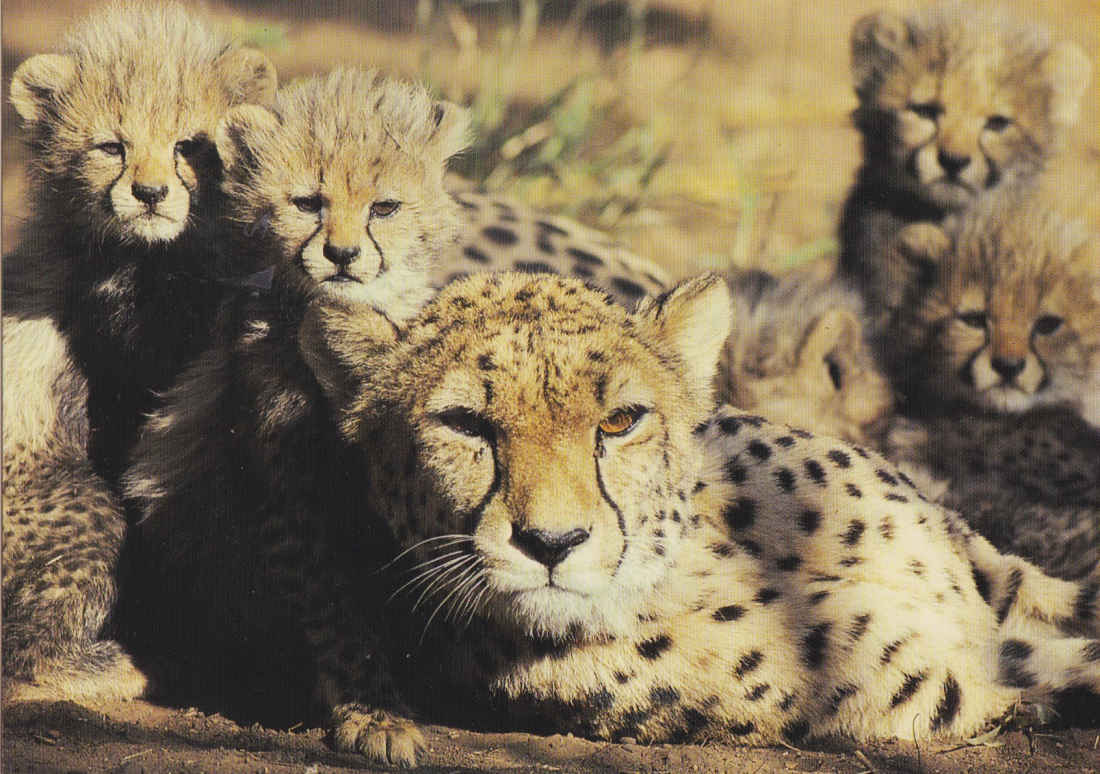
[974, 319]
[188, 147]
[111, 148]
[929, 111]
[309, 204]
[384, 208]
[998, 123]
[834, 372]
[1048, 324]
[622, 421]
[465, 421]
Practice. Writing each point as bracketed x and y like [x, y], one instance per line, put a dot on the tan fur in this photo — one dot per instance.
[684, 577]
[1012, 319]
[954, 102]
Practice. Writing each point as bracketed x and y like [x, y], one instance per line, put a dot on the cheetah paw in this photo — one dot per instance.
[381, 736]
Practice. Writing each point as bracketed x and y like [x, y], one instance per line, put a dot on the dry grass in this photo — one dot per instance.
[700, 132]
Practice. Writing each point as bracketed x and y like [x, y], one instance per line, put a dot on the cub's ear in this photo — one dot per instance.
[923, 244]
[248, 76]
[876, 41]
[241, 131]
[37, 83]
[451, 134]
[692, 320]
[837, 328]
[1068, 71]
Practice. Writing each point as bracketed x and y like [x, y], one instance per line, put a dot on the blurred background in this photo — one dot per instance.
[701, 133]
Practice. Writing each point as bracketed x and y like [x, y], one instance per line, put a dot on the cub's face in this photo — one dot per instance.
[341, 184]
[1013, 320]
[551, 439]
[122, 124]
[953, 103]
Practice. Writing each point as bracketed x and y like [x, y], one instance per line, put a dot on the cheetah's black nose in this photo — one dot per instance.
[341, 256]
[149, 195]
[1008, 369]
[952, 164]
[546, 547]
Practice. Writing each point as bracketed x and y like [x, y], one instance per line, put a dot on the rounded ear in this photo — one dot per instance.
[451, 134]
[693, 320]
[923, 243]
[838, 327]
[248, 76]
[875, 42]
[1068, 71]
[36, 83]
[240, 131]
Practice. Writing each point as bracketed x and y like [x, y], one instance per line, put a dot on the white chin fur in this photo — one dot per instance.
[399, 292]
[153, 228]
[1008, 399]
[553, 612]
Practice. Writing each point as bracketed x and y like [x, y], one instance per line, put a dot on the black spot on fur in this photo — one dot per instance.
[500, 236]
[785, 441]
[741, 729]
[1086, 598]
[885, 477]
[653, 648]
[949, 704]
[840, 459]
[735, 472]
[908, 688]
[859, 626]
[757, 692]
[748, 663]
[1012, 590]
[853, 490]
[839, 694]
[621, 678]
[547, 226]
[751, 547]
[916, 566]
[788, 563]
[474, 254]
[809, 521]
[815, 471]
[854, 533]
[728, 613]
[886, 528]
[729, 425]
[485, 362]
[818, 597]
[1091, 652]
[766, 596]
[850, 561]
[981, 582]
[814, 645]
[724, 550]
[1012, 672]
[740, 514]
[584, 256]
[596, 356]
[785, 478]
[534, 267]
[759, 450]
[580, 270]
[628, 287]
[894, 497]
[662, 695]
[795, 731]
[889, 651]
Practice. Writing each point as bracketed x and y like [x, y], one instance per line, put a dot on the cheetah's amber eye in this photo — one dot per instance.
[111, 148]
[621, 421]
[1048, 324]
[929, 111]
[974, 319]
[311, 204]
[467, 422]
[997, 123]
[384, 208]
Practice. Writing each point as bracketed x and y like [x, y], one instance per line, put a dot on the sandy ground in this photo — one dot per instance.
[751, 100]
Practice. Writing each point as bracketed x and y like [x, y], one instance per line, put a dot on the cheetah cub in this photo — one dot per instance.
[586, 547]
[122, 174]
[953, 103]
[340, 185]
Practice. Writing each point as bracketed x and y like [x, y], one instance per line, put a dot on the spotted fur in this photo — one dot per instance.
[103, 302]
[340, 183]
[586, 547]
[953, 102]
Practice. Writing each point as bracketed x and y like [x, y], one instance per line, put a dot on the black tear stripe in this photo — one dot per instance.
[1012, 590]
[615, 507]
[473, 518]
[381, 255]
[950, 701]
[299, 257]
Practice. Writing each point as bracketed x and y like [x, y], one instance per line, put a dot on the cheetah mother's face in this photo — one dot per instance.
[554, 435]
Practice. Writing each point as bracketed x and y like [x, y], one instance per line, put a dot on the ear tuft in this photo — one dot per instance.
[248, 76]
[693, 320]
[1068, 71]
[451, 134]
[876, 41]
[240, 132]
[36, 83]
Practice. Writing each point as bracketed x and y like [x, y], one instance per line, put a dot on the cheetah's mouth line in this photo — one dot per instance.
[342, 277]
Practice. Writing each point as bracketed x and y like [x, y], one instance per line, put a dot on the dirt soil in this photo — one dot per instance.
[753, 102]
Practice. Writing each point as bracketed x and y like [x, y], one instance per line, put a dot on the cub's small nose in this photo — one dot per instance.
[952, 164]
[341, 256]
[1008, 369]
[148, 194]
[546, 547]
